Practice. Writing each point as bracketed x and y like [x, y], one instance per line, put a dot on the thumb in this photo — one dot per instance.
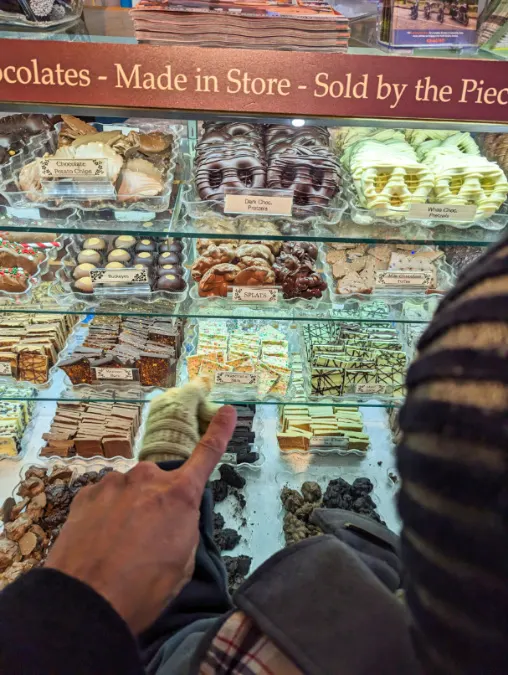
[211, 447]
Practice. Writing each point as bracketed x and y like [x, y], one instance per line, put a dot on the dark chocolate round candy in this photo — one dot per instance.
[169, 257]
[145, 246]
[170, 282]
[143, 258]
[170, 269]
[175, 246]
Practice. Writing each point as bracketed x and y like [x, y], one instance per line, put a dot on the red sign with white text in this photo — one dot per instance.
[249, 82]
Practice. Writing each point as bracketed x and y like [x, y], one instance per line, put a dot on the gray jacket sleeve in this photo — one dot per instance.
[323, 608]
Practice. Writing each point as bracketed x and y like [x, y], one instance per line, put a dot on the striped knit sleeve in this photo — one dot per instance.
[453, 462]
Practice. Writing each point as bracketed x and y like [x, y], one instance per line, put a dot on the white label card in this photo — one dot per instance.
[115, 374]
[254, 294]
[231, 377]
[329, 442]
[122, 277]
[370, 388]
[5, 368]
[90, 169]
[403, 278]
[135, 216]
[263, 202]
[442, 212]
[229, 458]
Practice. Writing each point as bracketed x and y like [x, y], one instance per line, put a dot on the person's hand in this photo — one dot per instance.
[133, 537]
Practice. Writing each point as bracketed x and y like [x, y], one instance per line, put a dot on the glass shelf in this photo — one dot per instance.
[119, 397]
[352, 313]
[160, 225]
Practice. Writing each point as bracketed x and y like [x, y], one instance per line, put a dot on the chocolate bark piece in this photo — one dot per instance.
[156, 371]
[88, 447]
[60, 448]
[78, 370]
[166, 336]
[33, 367]
[117, 447]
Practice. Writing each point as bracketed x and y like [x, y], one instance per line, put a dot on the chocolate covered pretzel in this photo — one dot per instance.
[312, 174]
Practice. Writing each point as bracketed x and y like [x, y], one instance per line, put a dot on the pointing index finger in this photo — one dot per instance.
[211, 447]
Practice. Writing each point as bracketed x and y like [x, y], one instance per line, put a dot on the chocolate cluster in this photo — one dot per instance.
[33, 521]
[230, 262]
[162, 259]
[16, 130]
[273, 156]
[339, 494]
[148, 346]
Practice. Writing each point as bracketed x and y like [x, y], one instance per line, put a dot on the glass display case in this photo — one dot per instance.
[292, 257]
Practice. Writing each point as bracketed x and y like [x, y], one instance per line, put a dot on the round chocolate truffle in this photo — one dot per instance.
[119, 255]
[174, 246]
[169, 257]
[143, 258]
[84, 285]
[170, 269]
[114, 265]
[145, 245]
[125, 241]
[170, 282]
[95, 243]
[87, 255]
[83, 270]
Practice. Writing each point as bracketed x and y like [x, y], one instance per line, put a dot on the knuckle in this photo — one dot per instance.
[144, 471]
[185, 491]
[210, 444]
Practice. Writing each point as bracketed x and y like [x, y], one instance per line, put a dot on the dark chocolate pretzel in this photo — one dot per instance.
[278, 133]
[233, 129]
[227, 151]
[312, 174]
[305, 139]
[212, 178]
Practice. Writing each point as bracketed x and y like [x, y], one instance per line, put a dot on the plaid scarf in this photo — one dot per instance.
[240, 648]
